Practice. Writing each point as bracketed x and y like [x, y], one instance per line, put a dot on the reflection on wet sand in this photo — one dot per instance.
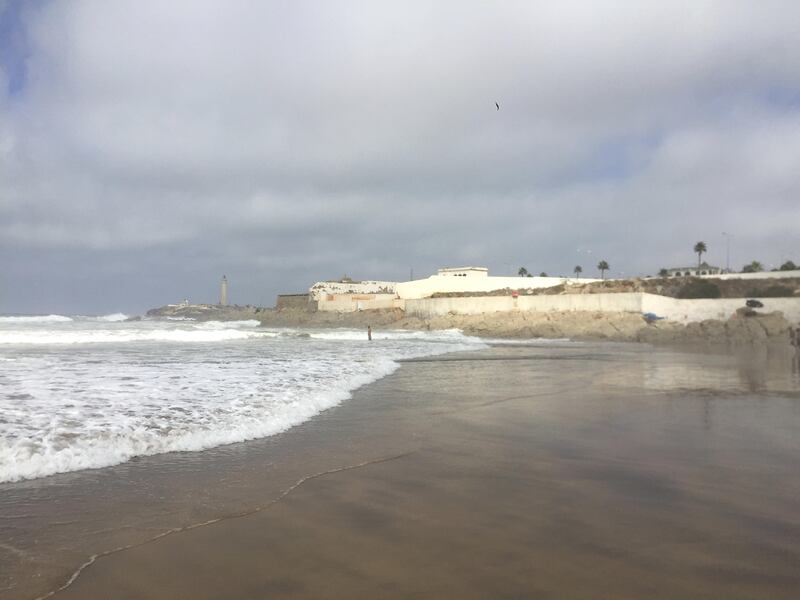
[564, 471]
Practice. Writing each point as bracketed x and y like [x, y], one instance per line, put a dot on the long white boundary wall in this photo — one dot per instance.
[681, 311]
[424, 288]
[758, 275]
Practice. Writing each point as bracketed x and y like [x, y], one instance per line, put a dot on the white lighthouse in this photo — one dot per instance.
[223, 291]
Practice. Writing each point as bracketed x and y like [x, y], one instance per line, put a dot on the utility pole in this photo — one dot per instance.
[727, 251]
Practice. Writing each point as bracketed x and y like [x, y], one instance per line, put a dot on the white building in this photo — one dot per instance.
[463, 272]
[345, 285]
[474, 280]
[346, 295]
[698, 271]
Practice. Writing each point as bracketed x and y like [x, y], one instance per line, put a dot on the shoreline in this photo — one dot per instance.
[480, 438]
[745, 327]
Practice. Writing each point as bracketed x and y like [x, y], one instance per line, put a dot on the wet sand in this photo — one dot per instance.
[589, 471]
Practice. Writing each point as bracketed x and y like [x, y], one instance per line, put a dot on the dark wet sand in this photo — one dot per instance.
[584, 472]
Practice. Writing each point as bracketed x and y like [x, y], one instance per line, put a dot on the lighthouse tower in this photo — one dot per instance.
[223, 291]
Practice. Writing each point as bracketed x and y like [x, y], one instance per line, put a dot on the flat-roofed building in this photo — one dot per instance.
[698, 271]
[463, 272]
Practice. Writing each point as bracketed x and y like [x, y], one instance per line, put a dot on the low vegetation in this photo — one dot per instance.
[772, 291]
[699, 288]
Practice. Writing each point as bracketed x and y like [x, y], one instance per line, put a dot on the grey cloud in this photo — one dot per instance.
[285, 142]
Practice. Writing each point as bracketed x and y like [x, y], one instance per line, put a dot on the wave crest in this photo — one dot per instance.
[36, 319]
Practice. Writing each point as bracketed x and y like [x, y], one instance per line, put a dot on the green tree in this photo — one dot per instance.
[753, 267]
[542, 274]
[603, 267]
[522, 271]
[788, 266]
[578, 270]
[663, 273]
[699, 248]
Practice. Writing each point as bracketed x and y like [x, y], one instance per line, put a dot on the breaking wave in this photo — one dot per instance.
[36, 319]
[64, 408]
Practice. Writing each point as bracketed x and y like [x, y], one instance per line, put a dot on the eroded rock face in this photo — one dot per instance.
[205, 312]
[619, 326]
[614, 326]
[739, 329]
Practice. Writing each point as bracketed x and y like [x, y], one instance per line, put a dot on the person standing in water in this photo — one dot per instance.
[369, 332]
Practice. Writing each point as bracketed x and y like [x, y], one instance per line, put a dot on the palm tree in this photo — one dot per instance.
[522, 271]
[578, 270]
[603, 267]
[699, 248]
[753, 267]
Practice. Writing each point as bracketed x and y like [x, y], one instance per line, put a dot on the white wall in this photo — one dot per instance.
[321, 288]
[760, 275]
[431, 307]
[689, 311]
[424, 288]
[354, 302]
[682, 311]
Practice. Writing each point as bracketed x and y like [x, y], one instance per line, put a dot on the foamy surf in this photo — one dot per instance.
[126, 335]
[90, 394]
[113, 318]
[29, 319]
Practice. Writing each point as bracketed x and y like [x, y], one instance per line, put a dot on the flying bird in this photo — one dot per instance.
[497, 105]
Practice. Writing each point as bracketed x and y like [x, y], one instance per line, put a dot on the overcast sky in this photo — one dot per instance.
[148, 147]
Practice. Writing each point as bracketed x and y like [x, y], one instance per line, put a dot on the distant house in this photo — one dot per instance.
[703, 269]
[463, 272]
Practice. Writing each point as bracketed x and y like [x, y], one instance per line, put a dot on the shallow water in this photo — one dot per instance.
[672, 470]
[93, 392]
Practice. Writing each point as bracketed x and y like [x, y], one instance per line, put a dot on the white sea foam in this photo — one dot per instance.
[36, 319]
[64, 409]
[126, 335]
[228, 324]
[390, 334]
[113, 318]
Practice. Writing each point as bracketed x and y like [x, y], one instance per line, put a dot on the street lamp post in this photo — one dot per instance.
[727, 251]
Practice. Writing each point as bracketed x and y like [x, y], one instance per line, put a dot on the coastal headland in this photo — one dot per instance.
[650, 311]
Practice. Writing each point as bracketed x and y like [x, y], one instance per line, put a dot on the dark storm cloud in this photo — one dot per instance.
[155, 146]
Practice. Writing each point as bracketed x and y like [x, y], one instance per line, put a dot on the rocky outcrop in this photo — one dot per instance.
[310, 318]
[618, 326]
[206, 312]
[519, 324]
[758, 328]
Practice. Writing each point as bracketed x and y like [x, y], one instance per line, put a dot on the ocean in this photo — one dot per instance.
[81, 392]
[555, 462]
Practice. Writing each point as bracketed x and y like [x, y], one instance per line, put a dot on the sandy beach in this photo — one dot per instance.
[523, 471]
